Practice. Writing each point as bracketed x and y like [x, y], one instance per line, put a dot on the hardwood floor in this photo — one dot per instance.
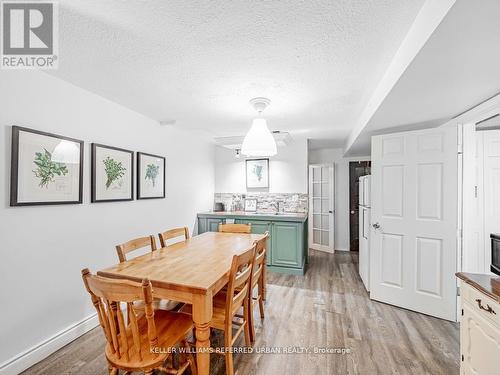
[328, 308]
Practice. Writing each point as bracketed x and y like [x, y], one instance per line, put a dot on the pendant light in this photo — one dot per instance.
[259, 141]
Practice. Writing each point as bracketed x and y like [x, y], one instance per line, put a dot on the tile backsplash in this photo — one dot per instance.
[266, 202]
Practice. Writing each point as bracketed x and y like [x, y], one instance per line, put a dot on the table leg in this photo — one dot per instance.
[202, 315]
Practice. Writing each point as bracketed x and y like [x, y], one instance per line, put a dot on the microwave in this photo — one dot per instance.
[495, 253]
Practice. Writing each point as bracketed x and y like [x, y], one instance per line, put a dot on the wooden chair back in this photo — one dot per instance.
[135, 244]
[108, 295]
[260, 256]
[235, 228]
[173, 233]
[239, 282]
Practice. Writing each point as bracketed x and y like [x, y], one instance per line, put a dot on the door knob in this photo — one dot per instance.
[376, 225]
[352, 212]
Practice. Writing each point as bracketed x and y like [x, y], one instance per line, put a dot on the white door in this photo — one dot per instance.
[321, 207]
[414, 220]
[491, 175]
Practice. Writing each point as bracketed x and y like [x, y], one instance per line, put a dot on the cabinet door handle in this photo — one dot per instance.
[487, 308]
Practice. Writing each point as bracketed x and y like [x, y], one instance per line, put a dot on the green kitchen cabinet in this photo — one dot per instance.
[286, 238]
[209, 224]
[260, 227]
[213, 224]
[287, 245]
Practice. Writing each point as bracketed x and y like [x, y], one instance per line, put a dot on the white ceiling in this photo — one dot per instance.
[199, 62]
[458, 68]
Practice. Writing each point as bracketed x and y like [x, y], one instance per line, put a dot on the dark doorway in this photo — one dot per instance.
[356, 170]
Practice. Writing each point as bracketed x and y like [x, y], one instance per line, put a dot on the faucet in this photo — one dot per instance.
[277, 206]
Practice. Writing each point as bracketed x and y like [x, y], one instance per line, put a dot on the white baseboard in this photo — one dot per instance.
[35, 354]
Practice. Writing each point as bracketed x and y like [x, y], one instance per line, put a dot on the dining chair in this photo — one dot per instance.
[173, 233]
[135, 244]
[141, 243]
[226, 305]
[235, 228]
[258, 279]
[144, 343]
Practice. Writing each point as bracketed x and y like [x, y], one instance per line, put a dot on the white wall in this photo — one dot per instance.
[287, 170]
[335, 155]
[45, 247]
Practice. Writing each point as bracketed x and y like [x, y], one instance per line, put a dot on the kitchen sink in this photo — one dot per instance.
[272, 213]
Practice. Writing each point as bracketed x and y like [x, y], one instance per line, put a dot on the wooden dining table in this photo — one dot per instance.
[191, 271]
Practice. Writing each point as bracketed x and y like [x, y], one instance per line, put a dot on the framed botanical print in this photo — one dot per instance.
[250, 205]
[45, 168]
[257, 171]
[112, 174]
[150, 176]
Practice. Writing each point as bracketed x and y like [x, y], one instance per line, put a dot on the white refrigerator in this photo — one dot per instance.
[364, 230]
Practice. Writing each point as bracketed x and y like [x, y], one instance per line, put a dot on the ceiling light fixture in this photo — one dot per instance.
[259, 141]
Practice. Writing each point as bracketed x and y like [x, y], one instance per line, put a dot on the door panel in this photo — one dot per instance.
[392, 190]
[286, 244]
[414, 206]
[392, 267]
[428, 257]
[430, 191]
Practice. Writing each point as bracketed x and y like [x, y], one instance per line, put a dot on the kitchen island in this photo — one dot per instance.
[287, 245]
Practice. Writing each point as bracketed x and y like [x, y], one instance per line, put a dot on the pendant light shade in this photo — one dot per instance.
[66, 152]
[259, 141]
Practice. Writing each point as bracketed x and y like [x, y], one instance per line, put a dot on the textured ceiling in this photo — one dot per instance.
[199, 62]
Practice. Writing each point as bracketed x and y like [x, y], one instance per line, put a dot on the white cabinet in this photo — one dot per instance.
[479, 333]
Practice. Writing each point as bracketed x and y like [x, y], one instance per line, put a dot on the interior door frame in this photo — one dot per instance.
[467, 184]
[331, 198]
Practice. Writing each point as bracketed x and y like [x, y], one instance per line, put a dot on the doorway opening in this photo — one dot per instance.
[481, 192]
[356, 170]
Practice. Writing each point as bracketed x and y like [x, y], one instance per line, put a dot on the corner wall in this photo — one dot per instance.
[45, 247]
[287, 170]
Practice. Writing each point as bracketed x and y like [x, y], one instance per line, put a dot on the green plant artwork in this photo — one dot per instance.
[257, 171]
[114, 170]
[152, 172]
[47, 169]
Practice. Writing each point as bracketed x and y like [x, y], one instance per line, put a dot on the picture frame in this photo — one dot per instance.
[257, 173]
[151, 176]
[46, 168]
[250, 205]
[112, 175]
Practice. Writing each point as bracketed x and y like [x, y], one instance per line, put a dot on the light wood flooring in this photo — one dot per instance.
[328, 308]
